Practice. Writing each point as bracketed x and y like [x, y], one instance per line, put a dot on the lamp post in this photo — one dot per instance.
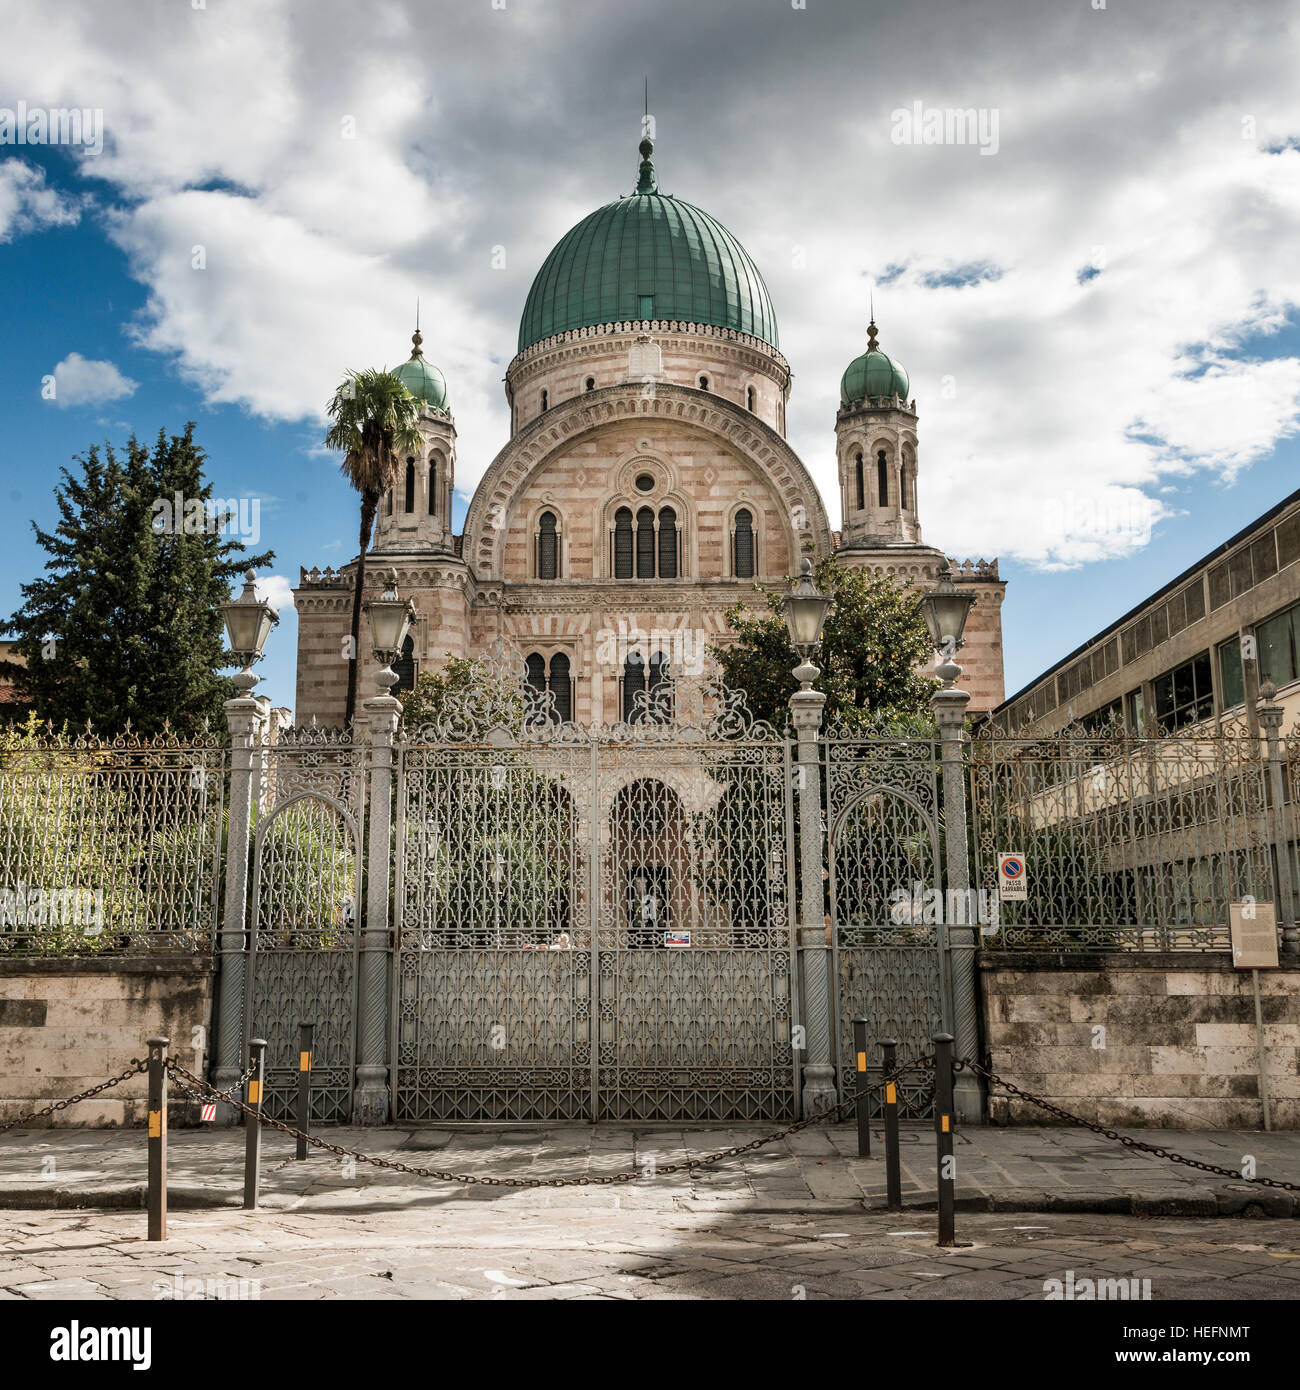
[248, 623]
[390, 620]
[805, 615]
[945, 609]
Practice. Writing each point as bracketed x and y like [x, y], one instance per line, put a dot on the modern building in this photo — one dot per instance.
[647, 484]
[1197, 649]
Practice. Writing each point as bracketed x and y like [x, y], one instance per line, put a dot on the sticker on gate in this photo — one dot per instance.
[677, 938]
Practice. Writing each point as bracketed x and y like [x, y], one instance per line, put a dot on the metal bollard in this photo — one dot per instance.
[943, 1120]
[893, 1164]
[157, 1108]
[253, 1123]
[862, 1102]
[304, 1086]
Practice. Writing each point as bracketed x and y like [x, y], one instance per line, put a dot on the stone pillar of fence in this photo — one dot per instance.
[950, 714]
[245, 718]
[814, 949]
[1270, 717]
[370, 1105]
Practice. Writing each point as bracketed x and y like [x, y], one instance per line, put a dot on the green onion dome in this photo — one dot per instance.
[423, 380]
[873, 375]
[647, 256]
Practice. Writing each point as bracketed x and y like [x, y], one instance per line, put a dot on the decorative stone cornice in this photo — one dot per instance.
[662, 329]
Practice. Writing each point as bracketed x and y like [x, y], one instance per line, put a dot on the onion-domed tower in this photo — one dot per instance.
[416, 512]
[875, 432]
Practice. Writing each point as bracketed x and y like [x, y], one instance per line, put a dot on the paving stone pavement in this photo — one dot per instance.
[505, 1248]
[816, 1170]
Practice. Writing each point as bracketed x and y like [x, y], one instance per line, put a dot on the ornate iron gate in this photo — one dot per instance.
[593, 924]
[304, 927]
[887, 905]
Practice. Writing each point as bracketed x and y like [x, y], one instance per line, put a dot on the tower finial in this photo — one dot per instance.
[417, 337]
[872, 344]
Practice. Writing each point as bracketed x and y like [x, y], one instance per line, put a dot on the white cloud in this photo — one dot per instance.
[275, 589]
[26, 203]
[81, 380]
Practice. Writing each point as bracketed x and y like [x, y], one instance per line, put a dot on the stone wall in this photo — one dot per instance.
[68, 1024]
[1179, 1038]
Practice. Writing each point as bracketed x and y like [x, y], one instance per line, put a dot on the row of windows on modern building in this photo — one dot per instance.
[645, 545]
[1186, 693]
[907, 482]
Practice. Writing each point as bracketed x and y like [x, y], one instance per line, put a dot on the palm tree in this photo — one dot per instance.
[374, 419]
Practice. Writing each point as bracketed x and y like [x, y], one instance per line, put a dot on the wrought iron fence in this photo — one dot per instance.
[1128, 843]
[109, 846]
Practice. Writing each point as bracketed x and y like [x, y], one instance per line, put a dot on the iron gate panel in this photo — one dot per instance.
[887, 908]
[304, 926]
[543, 873]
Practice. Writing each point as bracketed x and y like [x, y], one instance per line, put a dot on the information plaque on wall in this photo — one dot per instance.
[1254, 935]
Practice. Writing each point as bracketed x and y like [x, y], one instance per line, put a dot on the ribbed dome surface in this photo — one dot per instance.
[647, 256]
[875, 375]
[424, 381]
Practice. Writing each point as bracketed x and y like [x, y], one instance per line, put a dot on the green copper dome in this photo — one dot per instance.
[647, 256]
[873, 375]
[423, 380]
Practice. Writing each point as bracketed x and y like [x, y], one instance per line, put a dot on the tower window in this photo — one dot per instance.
[907, 488]
[623, 543]
[410, 485]
[862, 496]
[704, 383]
[545, 401]
[882, 478]
[548, 547]
[591, 383]
[535, 664]
[667, 543]
[645, 544]
[433, 487]
[749, 399]
[743, 545]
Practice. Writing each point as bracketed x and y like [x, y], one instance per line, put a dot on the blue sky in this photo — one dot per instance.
[1100, 320]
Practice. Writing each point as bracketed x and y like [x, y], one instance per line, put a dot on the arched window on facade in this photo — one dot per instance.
[535, 664]
[667, 543]
[633, 685]
[659, 689]
[882, 478]
[623, 543]
[862, 494]
[749, 399]
[548, 547]
[410, 485]
[704, 383]
[560, 685]
[546, 401]
[591, 383]
[645, 544]
[405, 666]
[742, 560]
[905, 487]
[433, 487]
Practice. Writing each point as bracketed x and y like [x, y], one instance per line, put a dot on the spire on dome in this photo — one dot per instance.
[872, 335]
[647, 183]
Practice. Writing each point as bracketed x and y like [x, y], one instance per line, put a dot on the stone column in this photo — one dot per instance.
[950, 713]
[1270, 717]
[370, 1099]
[245, 719]
[814, 948]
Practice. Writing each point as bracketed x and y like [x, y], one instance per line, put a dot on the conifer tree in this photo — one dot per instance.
[124, 624]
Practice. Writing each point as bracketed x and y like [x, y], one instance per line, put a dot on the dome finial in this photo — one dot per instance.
[417, 337]
[646, 183]
[872, 334]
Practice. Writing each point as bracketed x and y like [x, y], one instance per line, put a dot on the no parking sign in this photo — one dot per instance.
[1011, 876]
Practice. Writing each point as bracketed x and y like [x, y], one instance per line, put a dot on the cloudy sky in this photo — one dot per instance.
[1097, 303]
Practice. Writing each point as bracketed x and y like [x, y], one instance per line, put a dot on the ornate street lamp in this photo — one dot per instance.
[390, 620]
[249, 621]
[805, 615]
[945, 609]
